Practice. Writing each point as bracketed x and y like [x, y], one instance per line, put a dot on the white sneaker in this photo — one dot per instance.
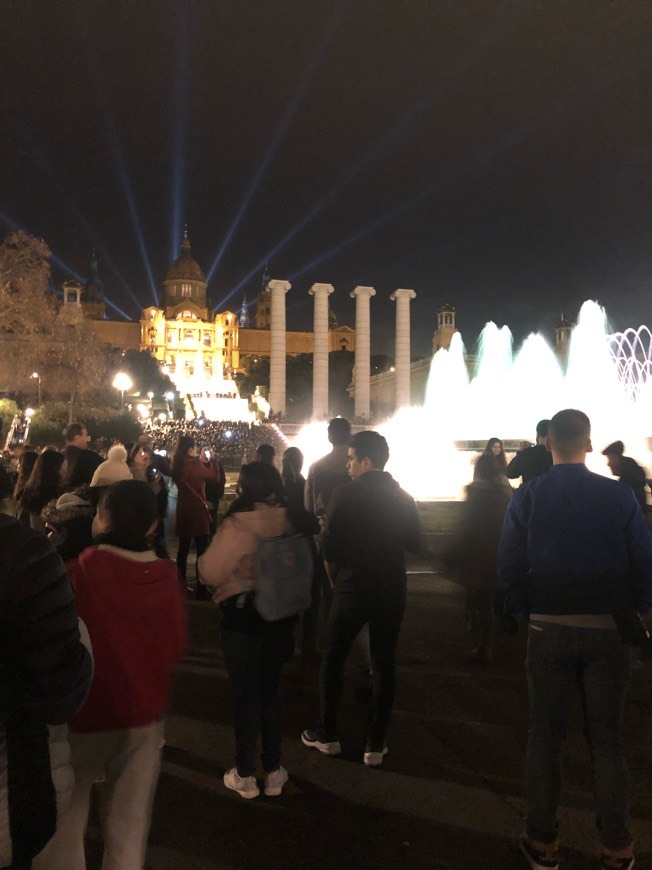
[246, 786]
[375, 759]
[275, 781]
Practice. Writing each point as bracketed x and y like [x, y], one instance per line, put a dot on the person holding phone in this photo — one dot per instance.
[193, 520]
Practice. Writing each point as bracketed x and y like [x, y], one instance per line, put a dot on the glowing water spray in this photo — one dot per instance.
[606, 376]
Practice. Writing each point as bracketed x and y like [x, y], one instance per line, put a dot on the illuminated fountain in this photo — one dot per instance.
[606, 376]
[215, 397]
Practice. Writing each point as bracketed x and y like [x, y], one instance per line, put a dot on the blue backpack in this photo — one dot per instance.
[283, 568]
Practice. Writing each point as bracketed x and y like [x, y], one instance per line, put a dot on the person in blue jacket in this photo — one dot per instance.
[575, 558]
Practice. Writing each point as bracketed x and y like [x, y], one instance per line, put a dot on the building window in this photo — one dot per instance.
[207, 339]
[172, 335]
[186, 290]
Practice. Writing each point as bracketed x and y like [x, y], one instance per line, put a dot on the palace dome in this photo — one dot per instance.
[184, 268]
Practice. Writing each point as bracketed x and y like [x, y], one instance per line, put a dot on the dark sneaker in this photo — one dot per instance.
[373, 758]
[547, 859]
[315, 738]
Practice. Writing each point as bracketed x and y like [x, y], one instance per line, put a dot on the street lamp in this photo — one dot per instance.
[36, 376]
[171, 408]
[122, 382]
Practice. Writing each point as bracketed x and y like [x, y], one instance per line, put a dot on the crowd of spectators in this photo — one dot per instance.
[233, 443]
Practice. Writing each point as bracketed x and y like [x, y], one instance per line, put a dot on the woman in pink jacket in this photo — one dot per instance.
[254, 650]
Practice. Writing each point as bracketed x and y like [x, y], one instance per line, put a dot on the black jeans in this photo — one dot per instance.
[353, 607]
[201, 543]
[254, 663]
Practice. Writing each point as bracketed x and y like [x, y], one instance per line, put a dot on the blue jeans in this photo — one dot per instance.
[254, 663]
[560, 659]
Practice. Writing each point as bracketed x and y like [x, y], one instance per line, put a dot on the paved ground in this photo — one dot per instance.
[448, 795]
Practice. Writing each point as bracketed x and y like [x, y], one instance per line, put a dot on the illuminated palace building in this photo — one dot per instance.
[200, 351]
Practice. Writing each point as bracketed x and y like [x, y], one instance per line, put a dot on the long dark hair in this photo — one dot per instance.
[500, 460]
[26, 465]
[292, 465]
[44, 482]
[259, 482]
[185, 443]
[131, 505]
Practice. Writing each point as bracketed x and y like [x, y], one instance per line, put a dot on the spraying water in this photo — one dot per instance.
[606, 377]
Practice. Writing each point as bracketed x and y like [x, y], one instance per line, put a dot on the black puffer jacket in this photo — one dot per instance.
[45, 674]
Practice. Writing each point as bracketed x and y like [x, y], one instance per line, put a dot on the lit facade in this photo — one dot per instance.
[184, 335]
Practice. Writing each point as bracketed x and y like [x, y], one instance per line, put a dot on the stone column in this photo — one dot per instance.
[402, 351]
[321, 292]
[362, 295]
[278, 289]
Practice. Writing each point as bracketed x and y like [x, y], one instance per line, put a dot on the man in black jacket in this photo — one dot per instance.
[532, 460]
[370, 524]
[45, 674]
[627, 469]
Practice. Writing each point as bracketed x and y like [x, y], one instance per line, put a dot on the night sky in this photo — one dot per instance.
[496, 156]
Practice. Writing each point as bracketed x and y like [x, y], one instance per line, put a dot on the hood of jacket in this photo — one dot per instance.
[119, 584]
[67, 507]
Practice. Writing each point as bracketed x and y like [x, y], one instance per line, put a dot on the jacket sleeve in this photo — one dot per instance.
[513, 564]
[222, 556]
[208, 472]
[52, 666]
[334, 533]
[515, 467]
[411, 528]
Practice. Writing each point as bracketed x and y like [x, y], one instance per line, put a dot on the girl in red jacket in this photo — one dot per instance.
[135, 611]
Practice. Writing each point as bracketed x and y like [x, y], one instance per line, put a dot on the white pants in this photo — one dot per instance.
[125, 765]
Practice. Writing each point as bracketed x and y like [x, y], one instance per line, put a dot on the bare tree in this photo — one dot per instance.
[38, 333]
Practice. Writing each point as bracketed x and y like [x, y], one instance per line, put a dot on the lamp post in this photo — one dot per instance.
[36, 376]
[171, 408]
[122, 382]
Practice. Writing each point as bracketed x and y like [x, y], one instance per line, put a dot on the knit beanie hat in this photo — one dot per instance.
[113, 469]
[617, 449]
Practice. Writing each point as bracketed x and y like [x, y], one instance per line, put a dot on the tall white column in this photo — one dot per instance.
[362, 295]
[402, 350]
[321, 292]
[277, 353]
